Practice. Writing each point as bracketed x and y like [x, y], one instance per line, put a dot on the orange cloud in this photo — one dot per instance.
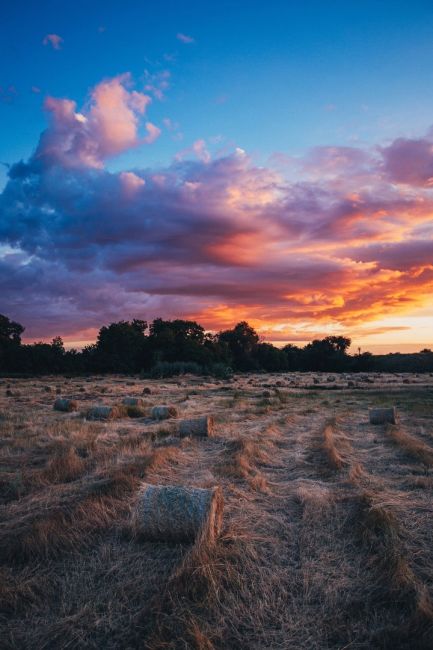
[215, 239]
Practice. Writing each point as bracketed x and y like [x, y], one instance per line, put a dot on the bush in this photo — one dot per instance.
[220, 371]
[172, 369]
[164, 369]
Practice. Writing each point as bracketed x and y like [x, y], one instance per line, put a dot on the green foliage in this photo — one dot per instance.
[120, 347]
[327, 354]
[241, 342]
[172, 369]
[172, 348]
[219, 371]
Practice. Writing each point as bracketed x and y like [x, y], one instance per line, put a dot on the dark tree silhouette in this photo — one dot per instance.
[169, 347]
[120, 347]
[241, 342]
[10, 341]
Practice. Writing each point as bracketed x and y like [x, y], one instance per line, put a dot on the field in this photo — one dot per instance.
[327, 539]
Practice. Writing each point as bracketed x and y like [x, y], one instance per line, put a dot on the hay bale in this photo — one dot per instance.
[132, 401]
[163, 412]
[104, 413]
[136, 411]
[200, 427]
[65, 405]
[169, 513]
[382, 415]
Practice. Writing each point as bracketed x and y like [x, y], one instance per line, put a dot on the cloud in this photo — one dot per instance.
[107, 125]
[54, 40]
[198, 148]
[131, 183]
[184, 38]
[157, 83]
[153, 133]
[410, 161]
[340, 244]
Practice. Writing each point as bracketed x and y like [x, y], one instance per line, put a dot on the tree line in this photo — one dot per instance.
[168, 347]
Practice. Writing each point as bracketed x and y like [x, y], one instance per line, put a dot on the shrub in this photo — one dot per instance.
[171, 369]
[220, 371]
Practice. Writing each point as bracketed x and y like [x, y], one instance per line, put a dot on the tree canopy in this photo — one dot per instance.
[164, 347]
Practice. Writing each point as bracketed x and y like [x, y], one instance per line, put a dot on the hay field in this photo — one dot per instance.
[327, 538]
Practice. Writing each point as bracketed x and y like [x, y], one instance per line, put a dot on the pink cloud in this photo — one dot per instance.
[409, 161]
[184, 38]
[131, 183]
[106, 127]
[153, 133]
[339, 242]
[54, 40]
[198, 148]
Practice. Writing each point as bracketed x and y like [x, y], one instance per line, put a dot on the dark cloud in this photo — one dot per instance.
[214, 239]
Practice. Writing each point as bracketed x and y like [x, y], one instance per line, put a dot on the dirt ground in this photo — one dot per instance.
[327, 539]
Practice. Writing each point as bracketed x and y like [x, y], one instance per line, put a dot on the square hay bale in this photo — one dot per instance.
[382, 415]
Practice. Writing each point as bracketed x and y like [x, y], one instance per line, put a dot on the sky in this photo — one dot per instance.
[219, 161]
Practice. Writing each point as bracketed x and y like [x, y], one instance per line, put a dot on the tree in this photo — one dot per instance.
[10, 341]
[363, 362]
[120, 347]
[270, 358]
[179, 340]
[10, 331]
[43, 357]
[241, 342]
[327, 354]
[293, 356]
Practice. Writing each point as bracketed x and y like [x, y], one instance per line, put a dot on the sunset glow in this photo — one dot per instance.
[132, 189]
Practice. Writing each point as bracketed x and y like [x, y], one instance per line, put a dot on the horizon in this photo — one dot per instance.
[353, 348]
[219, 163]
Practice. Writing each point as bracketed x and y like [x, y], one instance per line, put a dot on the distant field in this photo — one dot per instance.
[327, 539]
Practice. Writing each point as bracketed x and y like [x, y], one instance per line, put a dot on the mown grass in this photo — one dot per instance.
[316, 552]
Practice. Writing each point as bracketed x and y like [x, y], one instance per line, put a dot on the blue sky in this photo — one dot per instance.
[222, 161]
[274, 76]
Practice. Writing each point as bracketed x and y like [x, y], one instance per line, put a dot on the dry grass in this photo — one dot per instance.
[397, 582]
[416, 448]
[310, 556]
[335, 459]
[242, 458]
